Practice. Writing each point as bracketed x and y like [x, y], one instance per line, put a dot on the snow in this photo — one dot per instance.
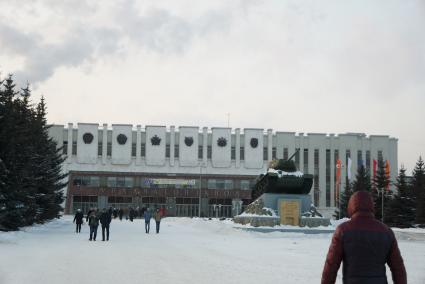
[186, 251]
[283, 173]
[270, 210]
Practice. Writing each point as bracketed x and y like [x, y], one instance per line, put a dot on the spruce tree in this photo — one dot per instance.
[362, 181]
[419, 190]
[381, 192]
[344, 198]
[401, 210]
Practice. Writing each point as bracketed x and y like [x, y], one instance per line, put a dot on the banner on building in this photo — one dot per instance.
[387, 173]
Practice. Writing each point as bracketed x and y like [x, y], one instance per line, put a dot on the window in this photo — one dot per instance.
[360, 161]
[133, 149]
[274, 153]
[109, 149]
[111, 182]
[368, 161]
[265, 154]
[233, 153]
[176, 151]
[242, 154]
[167, 151]
[99, 149]
[200, 152]
[212, 184]
[142, 150]
[128, 182]
[74, 148]
[245, 184]
[297, 158]
[120, 181]
[285, 153]
[209, 152]
[220, 184]
[65, 148]
[380, 156]
[305, 161]
[316, 177]
[228, 184]
[328, 177]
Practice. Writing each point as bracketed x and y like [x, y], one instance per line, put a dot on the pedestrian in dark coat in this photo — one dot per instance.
[93, 223]
[115, 213]
[78, 220]
[88, 214]
[120, 213]
[148, 217]
[105, 221]
[157, 216]
[364, 245]
[131, 214]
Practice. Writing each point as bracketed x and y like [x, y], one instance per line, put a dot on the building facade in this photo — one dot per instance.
[192, 171]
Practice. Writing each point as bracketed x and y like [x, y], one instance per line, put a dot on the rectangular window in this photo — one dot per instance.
[316, 177]
[265, 154]
[167, 151]
[142, 150]
[74, 148]
[305, 167]
[111, 182]
[65, 148]
[242, 153]
[200, 152]
[274, 154]
[128, 182]
[212, 184]
[233, 153]
[133, 149]
[228, 184]
[368, 161]
[209, 152]
[297, 158]
[220, 184]
[245, 184]
[328, 177]
[120, 181]
[285, 153]
[99, 148]
[380, 156]
[109, 149]
[176, 151]
[360, 161]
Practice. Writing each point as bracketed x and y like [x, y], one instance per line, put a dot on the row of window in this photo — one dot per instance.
[131, 182]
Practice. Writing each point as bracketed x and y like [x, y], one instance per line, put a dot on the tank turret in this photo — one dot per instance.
[283, 177]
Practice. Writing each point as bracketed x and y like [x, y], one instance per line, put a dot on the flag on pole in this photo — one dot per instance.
[375, 165]
[349, 169]
[387, 172]
[338, 180]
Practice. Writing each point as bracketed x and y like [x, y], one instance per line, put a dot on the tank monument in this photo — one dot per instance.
[281, 197]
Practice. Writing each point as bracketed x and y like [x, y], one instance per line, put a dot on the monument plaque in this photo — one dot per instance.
[290, 212]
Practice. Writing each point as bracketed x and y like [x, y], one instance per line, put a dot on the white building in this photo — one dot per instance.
[123, 165]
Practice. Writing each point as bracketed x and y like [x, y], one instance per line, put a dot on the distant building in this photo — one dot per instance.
[186, 168]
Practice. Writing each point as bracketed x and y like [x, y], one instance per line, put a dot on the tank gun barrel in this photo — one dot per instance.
[293, 155]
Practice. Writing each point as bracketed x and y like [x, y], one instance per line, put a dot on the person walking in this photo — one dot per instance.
[78, 220]
[364, 245]
[88, 214]
[131, 214]
[105, 221]
[157, 216]
[148, 217]
[93, 223]
[120, 213]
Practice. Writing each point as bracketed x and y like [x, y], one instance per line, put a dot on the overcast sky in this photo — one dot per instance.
[327, 66]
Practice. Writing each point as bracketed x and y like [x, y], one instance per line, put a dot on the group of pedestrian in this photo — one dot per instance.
[94, 217]
[157, 216]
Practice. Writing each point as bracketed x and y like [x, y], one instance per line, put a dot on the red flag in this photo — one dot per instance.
[387, 173]
[375, 164]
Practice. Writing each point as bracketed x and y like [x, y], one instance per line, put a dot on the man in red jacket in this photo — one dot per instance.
[364, 245]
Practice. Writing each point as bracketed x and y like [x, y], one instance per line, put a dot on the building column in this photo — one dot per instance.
[172, 144]
[269, 144]
[301, 153]
[205, 146]
[238, 148]
[104, 143]
[138, 144]
[69, 150]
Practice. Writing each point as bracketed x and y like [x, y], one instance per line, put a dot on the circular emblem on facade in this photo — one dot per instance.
[155, 140]
[254, 142]
[87, 138]
[221, 142]
[188, 141]
[121, 139]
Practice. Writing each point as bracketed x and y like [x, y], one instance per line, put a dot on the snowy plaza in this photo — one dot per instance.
[185, 251]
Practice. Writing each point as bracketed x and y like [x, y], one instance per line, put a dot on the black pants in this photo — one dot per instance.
[93, 232]
[147, 226]
[107, 232]
[78, 228]
[157, 226]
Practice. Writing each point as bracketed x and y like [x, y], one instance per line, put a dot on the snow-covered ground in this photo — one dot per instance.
[185, 251]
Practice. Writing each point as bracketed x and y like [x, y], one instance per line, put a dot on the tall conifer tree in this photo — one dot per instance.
[381, 192]
[362, 181]
[341, 211]
[419, 189]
